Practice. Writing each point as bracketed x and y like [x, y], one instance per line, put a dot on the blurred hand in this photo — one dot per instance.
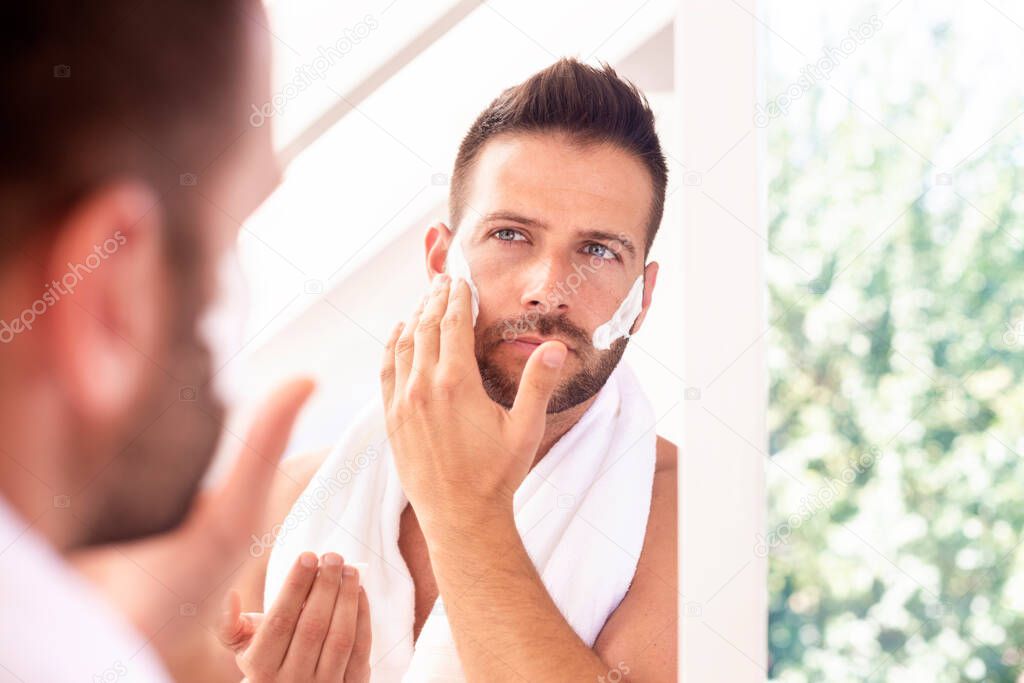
[169, 585]
[317, 630]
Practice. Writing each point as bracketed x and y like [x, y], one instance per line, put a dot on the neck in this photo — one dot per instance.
[558, 424]
[34, 482]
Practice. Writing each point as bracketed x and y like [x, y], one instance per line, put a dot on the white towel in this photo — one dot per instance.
[581, 512]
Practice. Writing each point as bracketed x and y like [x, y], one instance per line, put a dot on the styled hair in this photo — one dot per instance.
[589, 105]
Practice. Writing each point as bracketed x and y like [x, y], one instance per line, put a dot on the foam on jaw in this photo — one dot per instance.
[622, 319]
[459, 267]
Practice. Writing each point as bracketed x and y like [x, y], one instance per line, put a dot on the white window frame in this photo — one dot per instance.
[723, 606]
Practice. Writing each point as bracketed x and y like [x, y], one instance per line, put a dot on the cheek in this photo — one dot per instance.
[497, 291]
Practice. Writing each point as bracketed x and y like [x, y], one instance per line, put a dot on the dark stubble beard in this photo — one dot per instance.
[502, 386]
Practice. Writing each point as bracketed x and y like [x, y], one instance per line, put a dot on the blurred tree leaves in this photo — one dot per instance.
[898, 343]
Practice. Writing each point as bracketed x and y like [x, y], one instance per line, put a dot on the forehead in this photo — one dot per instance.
[569, 186]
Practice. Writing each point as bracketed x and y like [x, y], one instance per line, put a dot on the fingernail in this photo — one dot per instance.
[307, 560]
[349, 570]
[332, 560]
[554, 356]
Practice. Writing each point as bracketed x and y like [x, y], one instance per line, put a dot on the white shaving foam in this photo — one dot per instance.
[622, 320]
[459, 267]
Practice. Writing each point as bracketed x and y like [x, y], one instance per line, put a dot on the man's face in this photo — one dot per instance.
[555, 235]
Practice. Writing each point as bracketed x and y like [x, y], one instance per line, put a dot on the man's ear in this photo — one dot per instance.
[650, 279]
[436, 242]
[107, 269]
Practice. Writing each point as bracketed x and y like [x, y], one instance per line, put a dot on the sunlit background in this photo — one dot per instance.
[895, 275]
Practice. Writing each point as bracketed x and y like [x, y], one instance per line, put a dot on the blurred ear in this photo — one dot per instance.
[106, 266]
[650, 279]
[436, 241]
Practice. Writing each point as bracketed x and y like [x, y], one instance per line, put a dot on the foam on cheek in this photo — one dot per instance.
[623, 318]
[459, 267]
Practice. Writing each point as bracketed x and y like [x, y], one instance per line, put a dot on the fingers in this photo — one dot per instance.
[269, 645]
[234, 630]
[301, 659]
[457, 338]
[358, 670]
[341, 638]
[540, 377]
[387, 366]
[427, 333]
[238, 506]
[405, 347]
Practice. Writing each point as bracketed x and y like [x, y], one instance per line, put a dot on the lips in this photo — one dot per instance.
[532, 342]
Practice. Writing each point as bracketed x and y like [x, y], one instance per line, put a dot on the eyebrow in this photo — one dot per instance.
[603, 235]
[513, 217]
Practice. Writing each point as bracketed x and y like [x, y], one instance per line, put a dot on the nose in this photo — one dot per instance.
[545, 289]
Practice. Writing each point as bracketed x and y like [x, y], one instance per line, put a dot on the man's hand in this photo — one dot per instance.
[460, 456]
[317, 630]
[168, 585]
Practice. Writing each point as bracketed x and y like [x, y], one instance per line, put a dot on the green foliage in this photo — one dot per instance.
[896, 357]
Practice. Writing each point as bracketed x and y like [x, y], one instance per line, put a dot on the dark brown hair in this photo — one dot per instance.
[590, 105]
[95, 91]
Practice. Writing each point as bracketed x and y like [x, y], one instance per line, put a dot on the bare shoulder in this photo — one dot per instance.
[293, 475]
[666, 455]
[642, 631]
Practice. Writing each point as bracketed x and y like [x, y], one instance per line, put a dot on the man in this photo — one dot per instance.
[515, 511]
[126, 165]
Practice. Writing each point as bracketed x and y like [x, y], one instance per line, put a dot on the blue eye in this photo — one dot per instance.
[600, 251]
[509, 235]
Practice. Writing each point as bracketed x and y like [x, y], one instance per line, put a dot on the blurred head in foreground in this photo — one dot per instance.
[128, 162]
